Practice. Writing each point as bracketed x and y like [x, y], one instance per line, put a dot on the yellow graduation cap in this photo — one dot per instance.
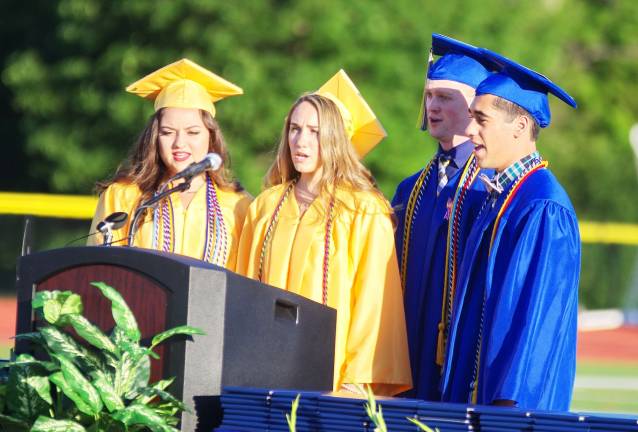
[184, 84]
[363, 127]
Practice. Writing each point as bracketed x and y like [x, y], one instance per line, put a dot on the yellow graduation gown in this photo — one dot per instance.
[189, 223]
[363, 284]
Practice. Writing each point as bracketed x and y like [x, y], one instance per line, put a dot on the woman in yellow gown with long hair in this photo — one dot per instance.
[323, 230]
[203, 221]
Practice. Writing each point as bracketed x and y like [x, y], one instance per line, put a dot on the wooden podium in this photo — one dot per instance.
[256, 335]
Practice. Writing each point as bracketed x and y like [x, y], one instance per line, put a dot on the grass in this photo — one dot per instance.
[589, 368]
[607, 396]
[4, 351]
[603, 400]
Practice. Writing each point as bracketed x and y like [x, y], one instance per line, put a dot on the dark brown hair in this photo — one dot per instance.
[144, 167]
[512, 111]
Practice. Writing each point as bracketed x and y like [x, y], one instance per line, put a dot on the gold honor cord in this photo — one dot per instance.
[415, 196]
[270, 229]
[449, 280]
[326, 248]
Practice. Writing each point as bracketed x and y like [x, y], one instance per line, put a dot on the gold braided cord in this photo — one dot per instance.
[467, 178]
[420, 184]
[270, 229]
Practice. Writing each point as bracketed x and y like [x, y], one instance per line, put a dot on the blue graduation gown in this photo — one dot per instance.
[426, 268]
[525, 293]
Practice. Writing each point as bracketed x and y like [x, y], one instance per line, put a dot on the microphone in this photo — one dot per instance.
[111, 222]
[212, 161]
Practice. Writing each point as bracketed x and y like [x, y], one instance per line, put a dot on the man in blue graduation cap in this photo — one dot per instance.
[512, 338]
[435, 208]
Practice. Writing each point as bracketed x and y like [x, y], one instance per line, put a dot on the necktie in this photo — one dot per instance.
[492, 186]
[444, 161]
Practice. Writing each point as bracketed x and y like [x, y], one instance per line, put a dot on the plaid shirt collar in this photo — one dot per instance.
[514, 171]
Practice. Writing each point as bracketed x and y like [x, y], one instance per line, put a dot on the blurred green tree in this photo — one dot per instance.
[66, 62]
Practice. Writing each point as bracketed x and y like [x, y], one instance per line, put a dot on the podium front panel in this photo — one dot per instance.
[146, 298]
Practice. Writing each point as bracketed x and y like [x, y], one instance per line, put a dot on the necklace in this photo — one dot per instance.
[272, 226]
[304, 197]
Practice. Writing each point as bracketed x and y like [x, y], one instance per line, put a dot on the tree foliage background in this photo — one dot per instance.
[67, 121]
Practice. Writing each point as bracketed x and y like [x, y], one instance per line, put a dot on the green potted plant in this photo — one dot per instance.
[99, 385]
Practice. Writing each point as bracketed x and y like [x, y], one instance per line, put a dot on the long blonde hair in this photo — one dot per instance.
[144, 167]
[341, 165]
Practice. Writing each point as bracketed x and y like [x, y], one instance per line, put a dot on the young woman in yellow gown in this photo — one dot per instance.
[323, 230]
[203, 221]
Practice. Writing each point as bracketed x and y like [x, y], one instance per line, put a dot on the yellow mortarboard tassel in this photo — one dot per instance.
[184, 84]
[363, 128]
[422, 121]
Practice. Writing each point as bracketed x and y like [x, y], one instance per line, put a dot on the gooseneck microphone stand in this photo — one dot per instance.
[151, 203]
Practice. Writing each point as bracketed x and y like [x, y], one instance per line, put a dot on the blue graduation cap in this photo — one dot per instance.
[459, 62]
[522, 86]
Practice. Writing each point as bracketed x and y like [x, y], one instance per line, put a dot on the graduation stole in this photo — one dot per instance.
[506, 203]
[216, 243]
[272, 225]
[470, 172]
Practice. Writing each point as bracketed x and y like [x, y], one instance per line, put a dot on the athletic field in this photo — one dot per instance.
[606, 379]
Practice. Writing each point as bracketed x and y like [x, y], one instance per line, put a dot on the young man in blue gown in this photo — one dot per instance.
[512, 337]
[435, 208]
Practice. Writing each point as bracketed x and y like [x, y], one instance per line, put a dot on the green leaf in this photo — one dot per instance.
[124, 374]
[40, 367]
[148, 393]
[292, 418]
[12, 424]
[159, 385]
[41, 386]
[375, 415]
[42, 296]
[91, 333]
[80, 384]
[422, 426]
[124, 344]
[59, 380]
[34, 337]
[63, 344]
[25, 387]
[3, 396]
[151, 353]
[121, 313]
[141, 415]
[132, 373]
[52, 310]
[47, 424]
[141, 377]
[72, 305]
[183, 330]
[107, 393]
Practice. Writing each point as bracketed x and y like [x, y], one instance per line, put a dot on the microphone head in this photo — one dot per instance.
[113, 221]
[117, 219]
[214, 161]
